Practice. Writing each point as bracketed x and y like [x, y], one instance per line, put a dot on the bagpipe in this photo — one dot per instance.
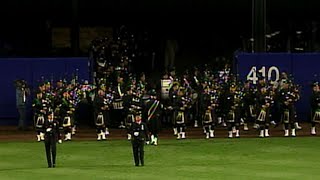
[108, 99]
[186, 102]
[238, 97]
[289, 98]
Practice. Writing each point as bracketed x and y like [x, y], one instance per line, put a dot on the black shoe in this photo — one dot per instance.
[137, 164]
[53, 165]
[49, 166]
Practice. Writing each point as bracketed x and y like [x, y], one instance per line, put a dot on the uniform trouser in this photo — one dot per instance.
[208, 126]
[129, 120]
[50, 145]
[138, 152]
[154, 126]
[61, 130]
[173, 115]
[22, 117]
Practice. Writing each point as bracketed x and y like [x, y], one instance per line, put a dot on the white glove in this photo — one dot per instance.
[136, 133]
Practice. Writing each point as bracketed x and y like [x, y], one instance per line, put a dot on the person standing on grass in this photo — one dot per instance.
[40, 109]
[232, 102]
[315, 107]
[51, 129]
[263, 119]
[180, 106]
[287, 100]
[101, 104]
[22, 93]
[139, 133]
[153, 108]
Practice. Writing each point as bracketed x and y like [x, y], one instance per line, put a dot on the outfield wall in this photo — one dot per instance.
[303, 67]
[32, 69]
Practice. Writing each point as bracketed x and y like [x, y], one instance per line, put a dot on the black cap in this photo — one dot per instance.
[152, 92]
[137, 113]
[315, 83]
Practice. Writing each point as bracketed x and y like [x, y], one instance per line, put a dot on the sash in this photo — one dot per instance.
[153, 109]
[252, 113]
[207, 117]
[119, 91]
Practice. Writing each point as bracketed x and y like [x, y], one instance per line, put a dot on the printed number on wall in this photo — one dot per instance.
[273, 74]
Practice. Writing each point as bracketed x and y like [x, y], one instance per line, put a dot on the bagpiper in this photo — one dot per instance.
[180, 106]
[209, 116]
[315, 107]
[233, 108]
[101, 106]
[153, 108]
[67, 110]
[249, 104]
[128, 110]
[118, 94]
[263, 119]
[287, 100]
[40, 110]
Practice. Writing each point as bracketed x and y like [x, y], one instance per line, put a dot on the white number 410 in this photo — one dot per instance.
[272, 76]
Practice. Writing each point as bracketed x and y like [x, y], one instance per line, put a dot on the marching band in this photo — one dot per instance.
[208, 100]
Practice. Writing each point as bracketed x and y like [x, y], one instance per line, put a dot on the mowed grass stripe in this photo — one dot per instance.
[252, 158]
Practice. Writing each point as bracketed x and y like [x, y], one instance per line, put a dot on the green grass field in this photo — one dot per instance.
[252, 158]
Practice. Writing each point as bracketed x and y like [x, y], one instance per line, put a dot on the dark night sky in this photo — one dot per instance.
[180, 12]
[219, 21]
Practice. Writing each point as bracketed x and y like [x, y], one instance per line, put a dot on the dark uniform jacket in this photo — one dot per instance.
[315, 101]
[139, 132]
[51, 129]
